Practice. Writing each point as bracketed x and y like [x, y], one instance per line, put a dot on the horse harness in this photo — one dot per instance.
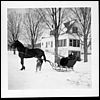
[51, 63]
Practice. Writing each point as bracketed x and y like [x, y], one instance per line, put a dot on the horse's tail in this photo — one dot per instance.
[44, 57]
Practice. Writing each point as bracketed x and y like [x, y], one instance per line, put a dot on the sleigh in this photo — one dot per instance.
[64, 63]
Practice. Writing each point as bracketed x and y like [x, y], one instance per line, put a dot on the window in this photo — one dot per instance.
[78, 43]
[74, 43]
[70, 42]
[51, 44]
[62, 43]
[65, 42]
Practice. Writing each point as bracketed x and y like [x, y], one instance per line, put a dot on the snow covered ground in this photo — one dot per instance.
[47, 78]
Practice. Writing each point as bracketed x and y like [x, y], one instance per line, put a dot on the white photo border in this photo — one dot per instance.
[94, 91]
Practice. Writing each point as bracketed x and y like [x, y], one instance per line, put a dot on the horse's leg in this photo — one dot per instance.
[61, 68]
[40, 68]
[36, 68]
[37, 65]
[66, 68]
[22, 62]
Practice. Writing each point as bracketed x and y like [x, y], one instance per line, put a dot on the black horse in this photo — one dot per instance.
[25, 52]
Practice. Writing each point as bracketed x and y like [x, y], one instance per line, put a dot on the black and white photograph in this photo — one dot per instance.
[49, 48]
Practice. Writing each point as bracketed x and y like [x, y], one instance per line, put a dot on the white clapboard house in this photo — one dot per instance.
[67, 43]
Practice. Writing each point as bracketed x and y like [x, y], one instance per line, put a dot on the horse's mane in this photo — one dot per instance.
[19, 43]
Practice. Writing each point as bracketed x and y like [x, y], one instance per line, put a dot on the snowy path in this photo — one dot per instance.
[47, 78]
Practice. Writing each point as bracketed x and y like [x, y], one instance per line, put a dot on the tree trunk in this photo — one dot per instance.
[85, 49]
[85, 40]
[32, 43]
[56, 46]
[14, 51]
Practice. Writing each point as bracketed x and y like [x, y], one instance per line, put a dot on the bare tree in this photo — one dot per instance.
[83, 16]
[13, 26]
[54, 17]
[32, 22]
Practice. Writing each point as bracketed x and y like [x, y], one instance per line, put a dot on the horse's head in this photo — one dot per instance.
[15, 44]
